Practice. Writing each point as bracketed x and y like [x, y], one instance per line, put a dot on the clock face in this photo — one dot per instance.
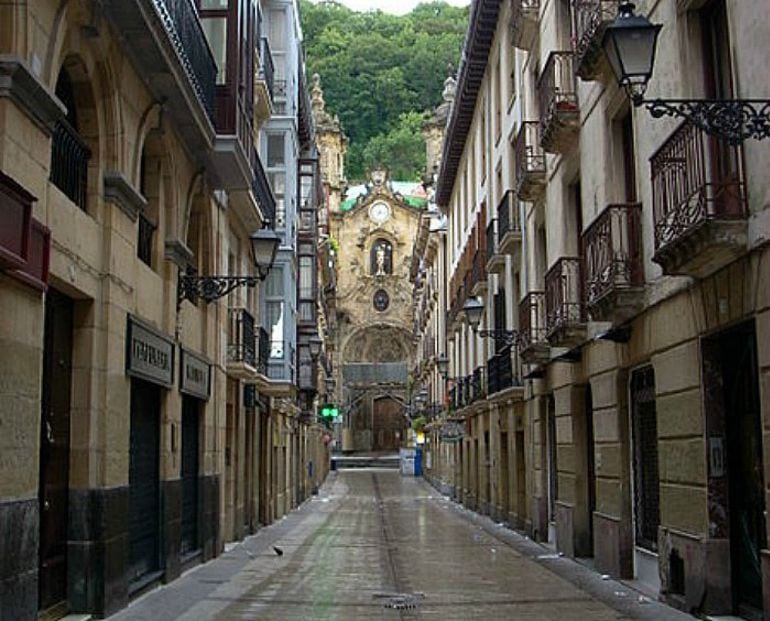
[379, 212]
[381, 300]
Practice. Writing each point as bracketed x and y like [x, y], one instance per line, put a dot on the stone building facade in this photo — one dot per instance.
[137, 415]
[614, 398]
[375, 229]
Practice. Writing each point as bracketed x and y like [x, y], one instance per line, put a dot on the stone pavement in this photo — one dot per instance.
[375, 545]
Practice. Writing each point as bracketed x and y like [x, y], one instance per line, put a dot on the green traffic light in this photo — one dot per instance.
[329, 411]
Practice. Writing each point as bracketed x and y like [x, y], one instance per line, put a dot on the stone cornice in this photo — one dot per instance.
[178, 253]
[18, 83]
[119, 191]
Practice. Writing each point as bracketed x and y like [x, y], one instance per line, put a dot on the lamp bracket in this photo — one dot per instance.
[732, 120]
[210, 288]
[509, 337]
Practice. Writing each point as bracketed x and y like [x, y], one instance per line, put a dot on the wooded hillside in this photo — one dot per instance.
[380, 73]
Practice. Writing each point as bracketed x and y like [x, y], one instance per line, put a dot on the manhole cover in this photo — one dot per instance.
[400, 601]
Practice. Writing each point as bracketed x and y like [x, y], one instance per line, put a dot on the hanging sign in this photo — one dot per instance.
[195, 379]
[149, 354]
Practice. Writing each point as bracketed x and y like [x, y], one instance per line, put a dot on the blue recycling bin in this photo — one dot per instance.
[418, 462]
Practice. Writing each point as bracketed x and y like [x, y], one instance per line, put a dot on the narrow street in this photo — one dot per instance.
[376, 545]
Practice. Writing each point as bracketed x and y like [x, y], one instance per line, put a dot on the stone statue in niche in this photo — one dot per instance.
[380, 261]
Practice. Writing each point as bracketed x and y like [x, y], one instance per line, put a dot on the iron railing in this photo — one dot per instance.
[69, 163]
[260, 186]
[263, 351]
[267, 66]
[144, 243]
[491, 239]
[564, 295]
[507, 216]
[242, 342]
[532, 319]
[181, 22]
[690, 185]
[612, 251]
[503, 369]
[590, 18]
[529, 160]
[479, 271]
[556, 92]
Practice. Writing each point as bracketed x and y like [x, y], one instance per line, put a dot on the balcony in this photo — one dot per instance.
[264, 84]
[479, 272]
[69, 163]
[699, 203]
[165, 42]
[255, 205]
[508, 225]
[503, 371]
[495, 259]
[15, 223]
[241, 344]
[534, 347]
[525, 18]
[557, 98]
[529, 162]
[612, 255]
[565, 319]
[591, 17]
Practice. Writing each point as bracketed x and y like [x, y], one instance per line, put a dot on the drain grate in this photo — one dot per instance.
[400, 601]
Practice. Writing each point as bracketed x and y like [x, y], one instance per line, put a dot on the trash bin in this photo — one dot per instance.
[418, 462]
[407, 462]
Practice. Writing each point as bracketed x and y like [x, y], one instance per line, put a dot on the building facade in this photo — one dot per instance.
[621, 262]
[139, 408]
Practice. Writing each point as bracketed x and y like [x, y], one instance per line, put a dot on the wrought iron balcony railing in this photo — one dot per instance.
[491, 239]
[242, 343]
[529, 162]
[590, 18]
[532, 320]
[564, 295]
[558, 103]
[186, 34]
[524, 22]
[479, 271]
[260, 186]
[263, 351]
[507, 218]
[267, 66]
[612, 252]
[695, 180]
[144, 242]
[69, 163]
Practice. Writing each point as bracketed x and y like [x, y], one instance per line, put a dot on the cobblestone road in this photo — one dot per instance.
[374, 544]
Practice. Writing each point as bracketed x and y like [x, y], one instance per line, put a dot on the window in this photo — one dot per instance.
[69, 153]
[274, 311]
[149, 186]
[276, 155]
[215, 29]
[381, 258]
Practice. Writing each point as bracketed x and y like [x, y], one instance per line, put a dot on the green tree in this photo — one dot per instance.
[376, 67]
[401, 149]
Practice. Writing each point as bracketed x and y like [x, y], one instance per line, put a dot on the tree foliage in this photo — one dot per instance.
[380, 73]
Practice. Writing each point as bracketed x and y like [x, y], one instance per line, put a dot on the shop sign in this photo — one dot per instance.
[196, 376]
[149, 355]
[451, 432]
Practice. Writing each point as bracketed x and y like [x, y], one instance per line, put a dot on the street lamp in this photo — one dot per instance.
[442, 362]
[315, 344]
[473, 309]
[264, 246]
[629, 44]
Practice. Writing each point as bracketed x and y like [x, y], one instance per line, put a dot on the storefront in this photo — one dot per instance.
[150, 364]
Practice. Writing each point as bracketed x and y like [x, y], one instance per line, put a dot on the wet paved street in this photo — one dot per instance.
[373, 541]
